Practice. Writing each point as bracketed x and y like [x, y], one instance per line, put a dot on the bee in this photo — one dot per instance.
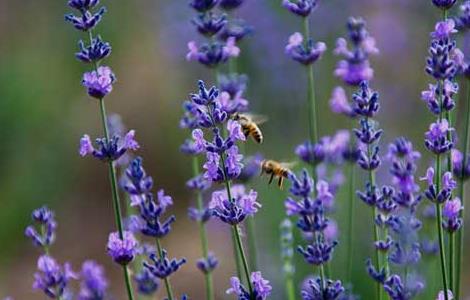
[276, 169]
[249, 124]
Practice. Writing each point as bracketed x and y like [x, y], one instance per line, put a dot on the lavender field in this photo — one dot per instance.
[234, 149]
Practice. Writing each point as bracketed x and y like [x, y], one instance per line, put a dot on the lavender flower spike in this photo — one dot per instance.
[52, 278]
[122, 250]
[45, 236]
[261, 287]
[304, 53]
[94, 284]
[99, 83]
[301, 8]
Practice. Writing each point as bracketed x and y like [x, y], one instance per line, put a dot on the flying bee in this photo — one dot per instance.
[280, 170]
[249, 124]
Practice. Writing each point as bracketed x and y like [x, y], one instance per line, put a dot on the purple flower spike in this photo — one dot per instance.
[313, 290]
[44, 236]
[355, 67]
[108, 150]
[452, 208]
[462, 21]
[444, 4]
[122, 250]
[305, 54]
[146, 282]
[95, 52]
[162, 267]
[436, 138]
[94, 284]
[444, 30]
[99, 83]
[207, 265]
[339, 103]
[82, 5]
[87, 20]
[233, 212]
[52, 278]
[301, 8]
[261, 287]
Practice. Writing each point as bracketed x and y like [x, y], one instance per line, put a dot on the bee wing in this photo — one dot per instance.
[288, 165]
[257, 119]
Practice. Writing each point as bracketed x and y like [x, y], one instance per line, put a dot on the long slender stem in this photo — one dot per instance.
[113, 183]
[379, 293]
[290, 288]
[169, 290]
[203, 235]
[452, 260]
[439, 229]
[460, 233]
[351, 199]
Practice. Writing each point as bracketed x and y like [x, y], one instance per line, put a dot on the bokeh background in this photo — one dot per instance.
[44, 111]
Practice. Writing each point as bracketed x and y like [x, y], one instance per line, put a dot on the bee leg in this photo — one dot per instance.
[280, 181]
[271, 178]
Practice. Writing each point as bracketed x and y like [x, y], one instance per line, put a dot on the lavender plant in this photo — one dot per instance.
[442, 65]
[224, 164]
[352, 70]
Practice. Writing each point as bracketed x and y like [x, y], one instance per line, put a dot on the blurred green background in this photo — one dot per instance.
[44, 111]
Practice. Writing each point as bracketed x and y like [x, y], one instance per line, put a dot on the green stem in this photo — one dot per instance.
[439, 229]
[115, 196]
[460, 233]
[203, 235]
[113, 183]
[246, 268]
[350, 220]
[452, 260]
[312, 106]
[290, 288]
[169, 290]
[376, 227]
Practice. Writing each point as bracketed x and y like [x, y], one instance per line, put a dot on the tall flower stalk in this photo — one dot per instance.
[99, 83]
[224, 164]
[352, 70]
[461, 169]
[219, 49]
[442, 65]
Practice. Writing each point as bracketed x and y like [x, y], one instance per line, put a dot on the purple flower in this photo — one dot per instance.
[94, 52]
[44, 236]
[87, 20]
[444, 4]
[305, 54]
[236, 28]
[108, 150]
[146, 282]
[203, 5]
[233, 162]
[233, 104]
[137, 183]
[211, 166]
[315, 289]
[339, 103]
[301, 8]
[162, 267]
[122, 250]
[462, 21]
[207, 265]
[82, 4]
[211, 55]
[460, 171]
[234, 211]
[151, 215]
[355, 66]
[452, 208]
[199, 183]
[100, 82]
[436, 138]
[209, 24]
[230, 4]
[52, 278]
[94, 284]
[261, 287]
[233, 83]
[443, 30]
[441, 295]
[311, 154]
